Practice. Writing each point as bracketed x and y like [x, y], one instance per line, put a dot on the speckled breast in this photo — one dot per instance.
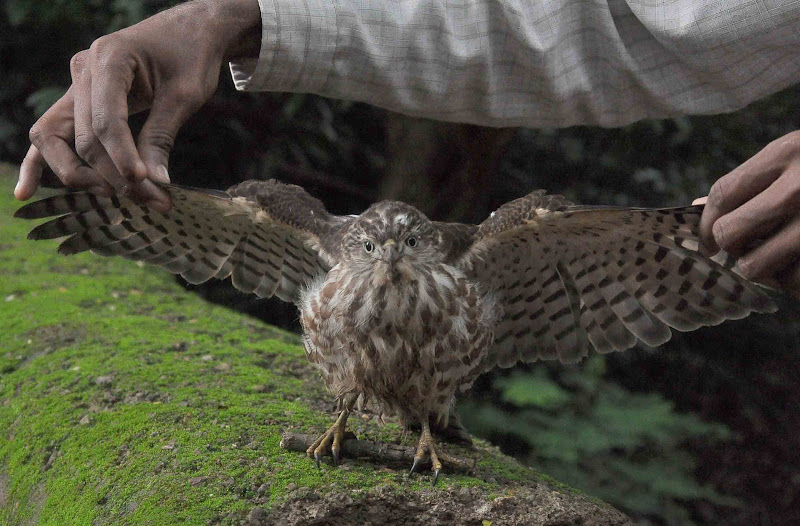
[408, 342]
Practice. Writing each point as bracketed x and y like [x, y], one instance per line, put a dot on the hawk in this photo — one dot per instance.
[405, 312]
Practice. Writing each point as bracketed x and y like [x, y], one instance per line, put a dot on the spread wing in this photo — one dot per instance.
[567, 275]
[270, 238]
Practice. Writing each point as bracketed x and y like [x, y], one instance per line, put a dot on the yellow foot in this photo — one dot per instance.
[332, 438]
[426, 446]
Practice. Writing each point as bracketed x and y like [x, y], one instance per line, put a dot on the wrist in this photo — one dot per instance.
[238, 22]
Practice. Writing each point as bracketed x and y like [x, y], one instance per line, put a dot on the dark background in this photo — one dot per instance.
[704, 430]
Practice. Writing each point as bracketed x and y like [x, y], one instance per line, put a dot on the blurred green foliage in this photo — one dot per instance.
[645, 452]
[581, 428]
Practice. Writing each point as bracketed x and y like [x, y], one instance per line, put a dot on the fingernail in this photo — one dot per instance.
[161, 175]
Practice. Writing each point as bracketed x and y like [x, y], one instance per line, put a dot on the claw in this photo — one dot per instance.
[414, 465]
[332, 438]
[424, 446]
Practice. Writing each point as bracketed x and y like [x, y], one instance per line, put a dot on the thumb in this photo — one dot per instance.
[155, 144]
[158, 136]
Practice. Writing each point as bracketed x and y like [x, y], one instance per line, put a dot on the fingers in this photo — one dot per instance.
[87, 145]
[110, 83]
[92, 150]
[745, 182]
[158, 134]
[125, 72]
[754, 213]
[51, 137]
[147, 192]
[30, 173]
[700, 201]
[157, 138]
[758, 217]
[775, 255]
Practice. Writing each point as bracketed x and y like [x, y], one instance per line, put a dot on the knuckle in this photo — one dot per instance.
[102, 46]
[102, 124]
[106, 52]
[160, 139]
[37, 134]
[76, 63]
[85, 146]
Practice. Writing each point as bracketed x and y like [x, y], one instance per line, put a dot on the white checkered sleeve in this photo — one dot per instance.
[530, 63]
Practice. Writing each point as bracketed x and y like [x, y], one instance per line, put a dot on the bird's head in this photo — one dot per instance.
[392, 239]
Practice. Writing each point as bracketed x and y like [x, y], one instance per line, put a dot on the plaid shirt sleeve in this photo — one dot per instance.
[539, 63]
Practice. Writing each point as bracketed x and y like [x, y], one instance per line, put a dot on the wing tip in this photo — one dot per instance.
[28, 211]
[766, 306]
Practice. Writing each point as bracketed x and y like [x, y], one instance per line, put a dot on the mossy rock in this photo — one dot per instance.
[125, 399]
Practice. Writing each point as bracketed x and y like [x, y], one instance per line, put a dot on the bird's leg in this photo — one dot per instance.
[426, 445]
[332, 438]
[454, 432]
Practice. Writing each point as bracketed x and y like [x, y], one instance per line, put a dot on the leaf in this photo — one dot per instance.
[622, 447]
[42, 99]
[523, 389]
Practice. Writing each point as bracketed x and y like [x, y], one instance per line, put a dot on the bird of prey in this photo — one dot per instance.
[404, 311]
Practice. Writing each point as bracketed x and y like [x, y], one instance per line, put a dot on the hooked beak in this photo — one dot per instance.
[390, 251]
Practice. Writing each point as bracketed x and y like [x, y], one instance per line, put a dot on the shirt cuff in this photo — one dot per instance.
[298, 41]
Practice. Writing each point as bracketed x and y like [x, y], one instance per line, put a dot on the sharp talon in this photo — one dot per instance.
[427, 445]
[330, 440]
[414, 466]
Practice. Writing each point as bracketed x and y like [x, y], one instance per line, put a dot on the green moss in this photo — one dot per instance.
[125, 399]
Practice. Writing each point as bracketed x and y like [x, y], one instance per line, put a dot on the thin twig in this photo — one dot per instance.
[379, 451]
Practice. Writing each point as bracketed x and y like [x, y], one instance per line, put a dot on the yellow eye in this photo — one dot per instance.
[368, 246]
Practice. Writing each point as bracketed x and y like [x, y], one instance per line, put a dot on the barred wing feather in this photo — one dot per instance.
[566, 276]
[252, 233]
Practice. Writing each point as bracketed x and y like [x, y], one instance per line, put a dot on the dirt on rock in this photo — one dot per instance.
[536, 505]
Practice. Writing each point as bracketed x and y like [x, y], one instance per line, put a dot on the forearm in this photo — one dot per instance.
[528, 63]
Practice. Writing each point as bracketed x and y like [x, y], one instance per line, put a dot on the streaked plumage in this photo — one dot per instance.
[408, 323]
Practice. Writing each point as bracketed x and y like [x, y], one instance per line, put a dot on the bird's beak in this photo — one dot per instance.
[390, 251]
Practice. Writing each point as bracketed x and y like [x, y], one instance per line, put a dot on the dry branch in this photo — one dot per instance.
[379, 451]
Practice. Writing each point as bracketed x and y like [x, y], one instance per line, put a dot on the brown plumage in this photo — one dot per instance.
[404, 312]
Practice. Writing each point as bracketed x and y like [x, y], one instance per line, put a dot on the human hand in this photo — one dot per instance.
[754, 214]
[169, 63]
